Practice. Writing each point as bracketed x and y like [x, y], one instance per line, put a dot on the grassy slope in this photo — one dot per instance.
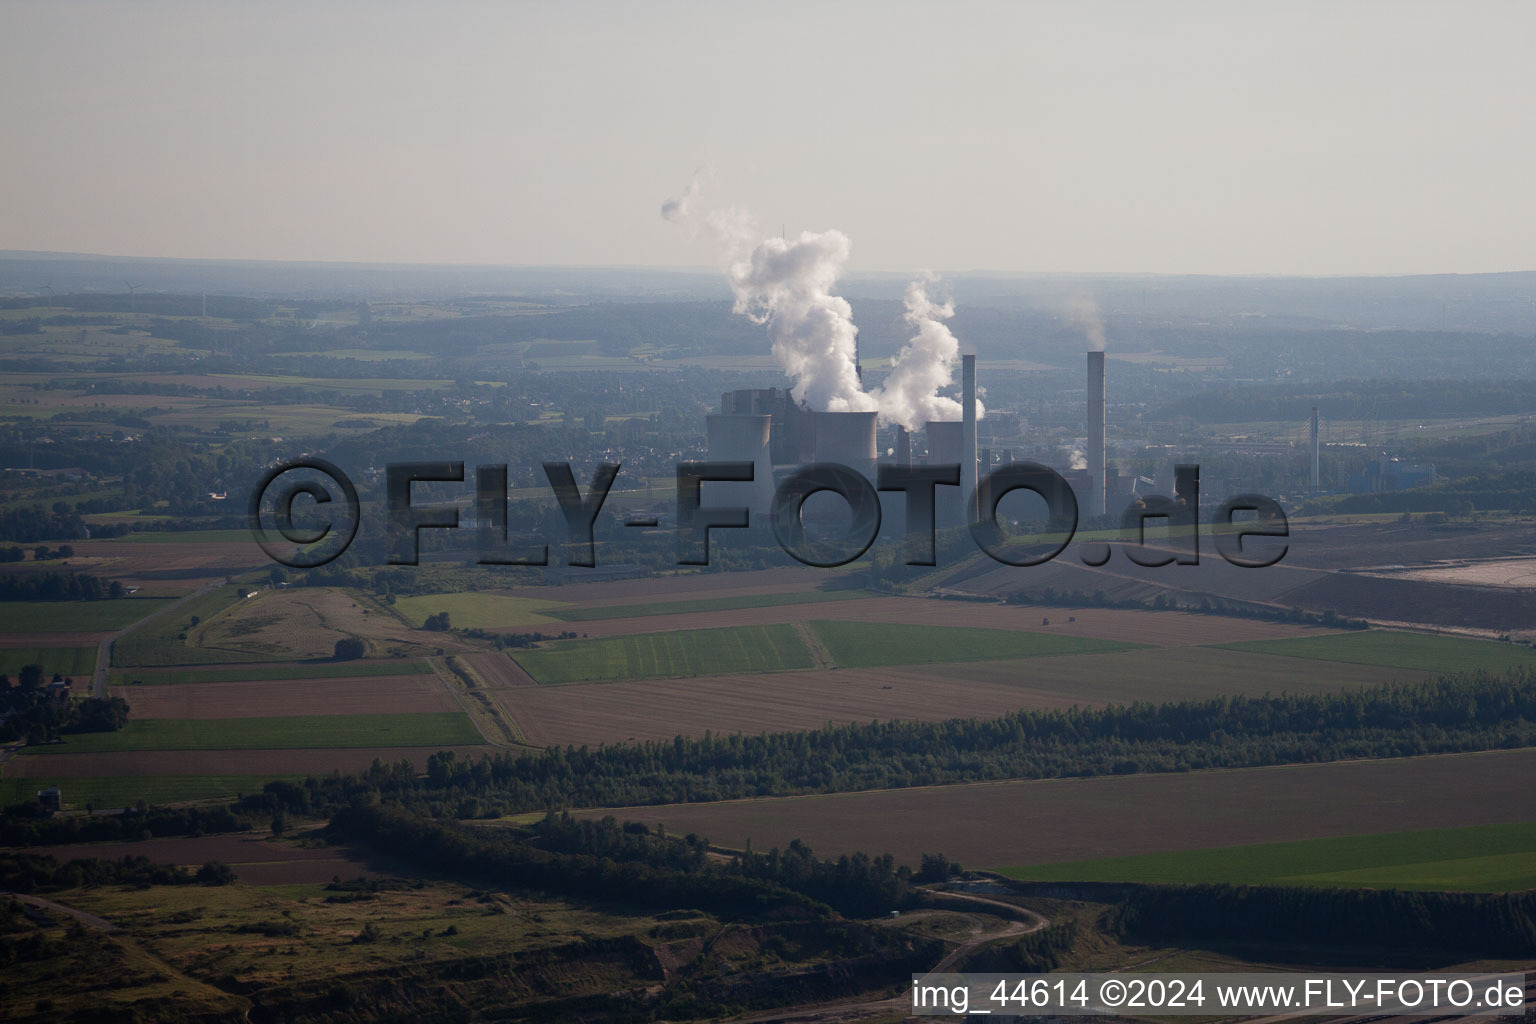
[668, 655]
[866, 644]
[159, 643]
[1483, 858]
[1399, 650]
[297, 732]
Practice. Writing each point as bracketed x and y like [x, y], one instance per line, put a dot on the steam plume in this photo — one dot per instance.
[1082, 311]
[910, 395]
[787, 284]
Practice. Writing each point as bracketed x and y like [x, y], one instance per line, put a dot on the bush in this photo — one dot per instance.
[350, 648]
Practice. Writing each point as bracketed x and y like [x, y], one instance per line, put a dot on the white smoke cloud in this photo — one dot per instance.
[1082, 311]
[786, 284]
[1076, 459]
[910, 395]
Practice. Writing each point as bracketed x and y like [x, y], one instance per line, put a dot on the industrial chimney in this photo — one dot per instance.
[1097, 477]
[741, 437]
[968, 428]
[903, 446]
[1317, 484]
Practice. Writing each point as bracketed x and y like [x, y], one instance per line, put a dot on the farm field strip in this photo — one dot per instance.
[275, 671]
[469, 609]
[107, 616]
[268, 763]
[1136, 626]
[657, 709]
[1479, 858]
[78, 662]
[125, 790]
[1007, 823]
[675, 653]
[292, 731]
[580, 613]
[868, 644]
[1400, 650]
[289, 697]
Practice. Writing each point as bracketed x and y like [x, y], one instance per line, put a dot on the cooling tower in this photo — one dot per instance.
[1096, 475]
[845, 437]
[741, 438]
[967, 428]
[944, 442]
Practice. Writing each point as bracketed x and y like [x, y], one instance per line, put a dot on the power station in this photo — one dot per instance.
[768, 428]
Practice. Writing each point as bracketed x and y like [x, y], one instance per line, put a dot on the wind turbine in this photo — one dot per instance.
[132, 288]
[49, 289]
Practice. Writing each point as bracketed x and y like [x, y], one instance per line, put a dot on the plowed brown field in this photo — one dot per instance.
[784, 701]
[1011, 823]
[364, 695]
[256, 860]
[1161, 629]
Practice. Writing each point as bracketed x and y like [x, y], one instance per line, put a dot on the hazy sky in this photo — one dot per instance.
[1182, 137]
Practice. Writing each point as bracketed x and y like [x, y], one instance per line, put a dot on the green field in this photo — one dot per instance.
[867, 644]
[300, 670]
[1399, 650]
[1483, 858]
[127, 790]
[159, 643]
[78, 616]
[468, 609]
[71, 661]
[577, 613]
[428, 729]
[189, 537]
[690, 652]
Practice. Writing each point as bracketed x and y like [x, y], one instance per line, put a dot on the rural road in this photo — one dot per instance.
[104, 649]
[59, 908]
[1023, 922]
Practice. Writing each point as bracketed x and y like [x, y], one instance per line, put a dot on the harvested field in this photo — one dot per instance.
[1496, 572]
[674, 653]
[283, 697]
[869, 644]
[1008, 823]
[279, 763]
[1125, 625]
[261, 672]
[658, 709]
[679, 587]
[496, 670]
[256, 860]
[134, 561]
[111, 791]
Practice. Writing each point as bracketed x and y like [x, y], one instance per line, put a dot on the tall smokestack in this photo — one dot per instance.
[903, 446]
[967, 428]
[1316, 469]
[1097, 478]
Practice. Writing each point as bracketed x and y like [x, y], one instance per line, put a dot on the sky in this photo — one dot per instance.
[1221, 138]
